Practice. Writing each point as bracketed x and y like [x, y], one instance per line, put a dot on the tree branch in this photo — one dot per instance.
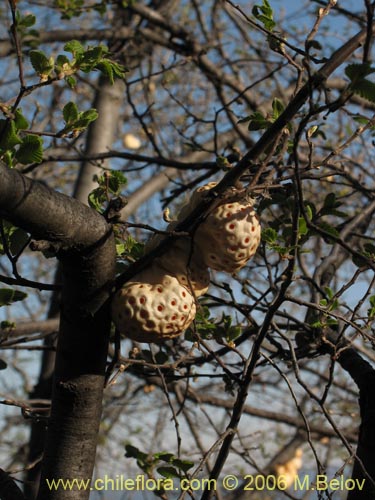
[8, 488]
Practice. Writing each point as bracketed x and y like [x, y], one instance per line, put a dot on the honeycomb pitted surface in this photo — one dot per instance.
[153, 307]
[160, 302]
[229, 236]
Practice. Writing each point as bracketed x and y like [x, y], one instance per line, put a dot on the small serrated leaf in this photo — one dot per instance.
[74, 47]
[70, 112]
[8, 135]
[20, 121]
[106, 68]
[31, 150]
[116, 180]
[365, 89]
[90, 115]
[269, 235]
[356, 72]
[40, 62]
[96, 198]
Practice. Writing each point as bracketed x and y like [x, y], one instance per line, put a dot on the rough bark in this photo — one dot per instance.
[100, 137]
[8, 488]
[364, 465]
[85, 247]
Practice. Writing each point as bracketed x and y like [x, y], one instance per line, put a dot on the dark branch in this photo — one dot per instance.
[8, 488]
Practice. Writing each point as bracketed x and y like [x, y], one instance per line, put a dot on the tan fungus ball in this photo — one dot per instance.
[229, 236]
[183, 262]
[153, 307]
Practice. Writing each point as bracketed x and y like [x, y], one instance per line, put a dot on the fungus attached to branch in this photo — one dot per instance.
[153, 307]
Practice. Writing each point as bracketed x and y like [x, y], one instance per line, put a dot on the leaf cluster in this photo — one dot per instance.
[13, 239]
[24, 24]
[264, 14]
[359, 84]
[110, 185]
[257, 121]
[278, 234]
[82, 59]
[17, 146]
[174, 468]
[74, 8]
[213, 328]
[76, 121]
[130, 249]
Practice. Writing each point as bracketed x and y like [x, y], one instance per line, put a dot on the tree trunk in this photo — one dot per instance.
[364, 465]
[86, 251]
[101, 135]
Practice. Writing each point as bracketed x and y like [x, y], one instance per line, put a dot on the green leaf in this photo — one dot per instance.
[331, 321]
[257, 122]
[106, 68]
[370, 250]
[309, 211]
[17, 240]
[116, 181]
[365, 89]
[164, 455]
[31, 150]
[277, 108]
[20, 121]
[69, 8]
[41, 63]
[329, 292]
[131, 248]
[8, 296]
[84, 119]
[8, 134]
[184, 465]
[371, 310]
[360, 261]
[134, 452]
[24, 22]
[168, 472]
[111, 69]
[62, 59]
[70, 112]
[330, 201]
[264, 14]
[317, 324]
[71, 81]
[302, 226]
[96, 198]
[90, 115]
[269, 235]
[357, 72]
[328, 228]
[7, 158]
[74, 47]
